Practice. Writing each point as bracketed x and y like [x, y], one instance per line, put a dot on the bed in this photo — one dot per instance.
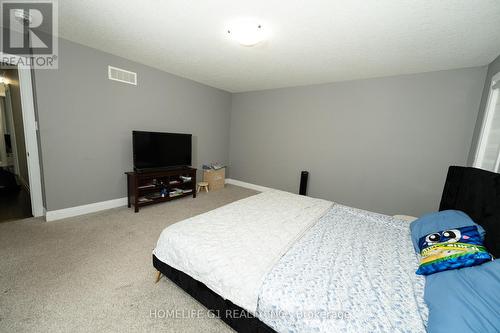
[279, 262]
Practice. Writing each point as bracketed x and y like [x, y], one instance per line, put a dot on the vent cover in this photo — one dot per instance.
[121, 75]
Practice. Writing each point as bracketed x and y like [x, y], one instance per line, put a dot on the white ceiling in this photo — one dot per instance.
[312, 41]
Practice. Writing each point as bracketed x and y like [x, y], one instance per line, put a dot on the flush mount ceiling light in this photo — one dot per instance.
[247, 32]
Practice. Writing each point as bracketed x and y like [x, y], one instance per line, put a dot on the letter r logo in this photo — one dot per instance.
[27, 27]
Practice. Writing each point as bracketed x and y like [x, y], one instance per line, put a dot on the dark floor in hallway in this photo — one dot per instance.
[15, 205]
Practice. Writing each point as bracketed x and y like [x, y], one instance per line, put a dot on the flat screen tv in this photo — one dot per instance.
[153, 150]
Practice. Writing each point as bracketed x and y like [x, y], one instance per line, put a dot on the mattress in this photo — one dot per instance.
[231, 249]
[237, 318]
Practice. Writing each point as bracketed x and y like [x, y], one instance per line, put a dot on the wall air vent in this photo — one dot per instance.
[121, 75]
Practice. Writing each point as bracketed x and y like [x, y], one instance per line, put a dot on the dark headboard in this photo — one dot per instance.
[477, 193]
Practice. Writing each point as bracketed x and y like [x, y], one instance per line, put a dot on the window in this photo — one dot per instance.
[488, 151]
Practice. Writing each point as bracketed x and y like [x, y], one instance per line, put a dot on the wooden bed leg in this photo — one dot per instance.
[158, 277]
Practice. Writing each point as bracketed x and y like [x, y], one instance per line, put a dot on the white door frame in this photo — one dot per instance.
[486, 124]
[30, 131]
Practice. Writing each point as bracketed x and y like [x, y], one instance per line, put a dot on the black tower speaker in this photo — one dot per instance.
[303, 182]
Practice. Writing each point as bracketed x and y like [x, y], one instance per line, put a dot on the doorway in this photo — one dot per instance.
[24, 87]
[15, 202]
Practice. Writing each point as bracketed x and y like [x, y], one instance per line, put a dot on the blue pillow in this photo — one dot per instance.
[439, 221]
[451, 249]
[464, 300]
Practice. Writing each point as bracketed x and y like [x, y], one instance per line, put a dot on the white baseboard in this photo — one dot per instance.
[248, 185]
[84, 209]
[59, 214]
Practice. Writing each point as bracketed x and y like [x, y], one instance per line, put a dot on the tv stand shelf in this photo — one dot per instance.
[144, 188]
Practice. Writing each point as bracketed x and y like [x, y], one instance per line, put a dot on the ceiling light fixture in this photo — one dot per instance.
[247, 32]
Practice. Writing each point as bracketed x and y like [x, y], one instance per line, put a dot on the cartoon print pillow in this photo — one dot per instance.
[451, 249]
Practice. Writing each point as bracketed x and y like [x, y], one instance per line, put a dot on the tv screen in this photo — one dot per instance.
[154, 150]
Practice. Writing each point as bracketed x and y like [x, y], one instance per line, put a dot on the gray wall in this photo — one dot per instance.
[15, 94]
[380, 144]
[86, 122]
[493, 68]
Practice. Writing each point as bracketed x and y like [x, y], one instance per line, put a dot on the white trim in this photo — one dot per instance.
[31, 140]
[59, 214]
[248, 185]
[486, 125]
[54, 215]
[30, 132]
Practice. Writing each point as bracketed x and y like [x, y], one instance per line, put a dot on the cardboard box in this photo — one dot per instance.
[215, 178]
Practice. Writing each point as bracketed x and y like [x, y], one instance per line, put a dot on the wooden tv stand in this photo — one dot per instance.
[144, 187]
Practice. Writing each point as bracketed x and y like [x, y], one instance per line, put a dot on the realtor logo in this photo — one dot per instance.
[29, 30]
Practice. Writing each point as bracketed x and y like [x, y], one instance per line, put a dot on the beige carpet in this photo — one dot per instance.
[94, 273]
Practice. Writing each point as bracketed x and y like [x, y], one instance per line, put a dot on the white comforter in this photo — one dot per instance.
[232, 248]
